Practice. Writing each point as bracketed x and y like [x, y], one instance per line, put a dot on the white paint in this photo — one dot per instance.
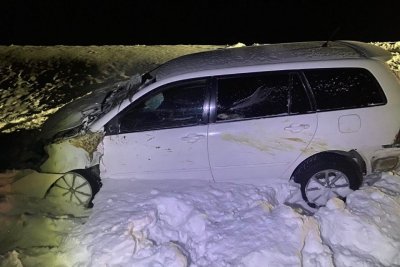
[263, 148]
[373, 133]
[349, 123]
[163, 154]
[266, 55]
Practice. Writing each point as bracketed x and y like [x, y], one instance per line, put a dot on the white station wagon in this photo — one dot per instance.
[323, 114]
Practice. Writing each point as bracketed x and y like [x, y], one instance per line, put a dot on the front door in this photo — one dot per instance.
[160, 136]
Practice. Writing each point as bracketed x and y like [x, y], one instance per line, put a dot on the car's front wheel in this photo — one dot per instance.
[78, 187]
[327, 176]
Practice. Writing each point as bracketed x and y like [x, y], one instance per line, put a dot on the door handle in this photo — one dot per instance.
[192, 137]
[296, 127]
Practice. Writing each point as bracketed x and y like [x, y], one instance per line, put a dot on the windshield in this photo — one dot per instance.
[126, 89]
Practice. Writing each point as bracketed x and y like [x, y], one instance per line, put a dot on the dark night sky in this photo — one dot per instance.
[130, 22]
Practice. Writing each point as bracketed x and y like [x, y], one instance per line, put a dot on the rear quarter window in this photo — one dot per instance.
[343, 88]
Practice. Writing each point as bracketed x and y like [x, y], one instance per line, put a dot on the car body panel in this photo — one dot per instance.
[169, 153]
[258, 149]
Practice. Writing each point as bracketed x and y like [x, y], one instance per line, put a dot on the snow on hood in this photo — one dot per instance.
[90, 107]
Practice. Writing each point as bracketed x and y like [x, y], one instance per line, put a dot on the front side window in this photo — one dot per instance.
[176, 106]
[344, 88]
[261, 95]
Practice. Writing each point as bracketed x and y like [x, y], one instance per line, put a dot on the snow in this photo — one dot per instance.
[198, 223]
[194, 223]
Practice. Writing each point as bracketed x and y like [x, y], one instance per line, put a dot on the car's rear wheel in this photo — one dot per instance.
[77, 187]
[327, 176]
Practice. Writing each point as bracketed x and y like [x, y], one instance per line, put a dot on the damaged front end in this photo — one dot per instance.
[77, 152]
[70, 144]
[76, 116]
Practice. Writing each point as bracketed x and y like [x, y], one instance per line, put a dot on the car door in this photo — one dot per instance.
[162, 135]
[261, 125]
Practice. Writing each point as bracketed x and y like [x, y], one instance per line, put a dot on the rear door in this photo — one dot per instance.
[163, 135]
[262, 123]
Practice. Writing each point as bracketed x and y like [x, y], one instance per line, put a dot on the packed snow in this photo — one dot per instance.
[198, 223]
[190, 223]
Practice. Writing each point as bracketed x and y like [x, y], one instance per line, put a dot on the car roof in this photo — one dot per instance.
[270, 54]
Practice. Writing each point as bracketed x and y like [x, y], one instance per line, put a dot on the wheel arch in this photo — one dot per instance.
[351, 156]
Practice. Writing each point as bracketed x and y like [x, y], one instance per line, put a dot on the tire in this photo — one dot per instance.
[78, 187]
[327, 175]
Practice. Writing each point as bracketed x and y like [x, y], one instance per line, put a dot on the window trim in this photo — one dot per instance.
[309, 94]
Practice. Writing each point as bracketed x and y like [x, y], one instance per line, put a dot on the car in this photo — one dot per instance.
[324, 115]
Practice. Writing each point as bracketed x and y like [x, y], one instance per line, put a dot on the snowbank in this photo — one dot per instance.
[177, 223]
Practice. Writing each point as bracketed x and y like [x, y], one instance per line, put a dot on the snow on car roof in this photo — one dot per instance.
[269, 54]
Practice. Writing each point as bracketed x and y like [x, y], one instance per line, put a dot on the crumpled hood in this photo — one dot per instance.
[88, 108]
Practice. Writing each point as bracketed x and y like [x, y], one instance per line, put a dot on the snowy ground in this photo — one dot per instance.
[173, 223]
[193, 223]
[201, 224]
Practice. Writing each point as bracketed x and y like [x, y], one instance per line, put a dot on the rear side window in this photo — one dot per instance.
[344, 88]
[261, 95]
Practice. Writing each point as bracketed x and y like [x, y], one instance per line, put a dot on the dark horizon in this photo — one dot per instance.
[124, 22]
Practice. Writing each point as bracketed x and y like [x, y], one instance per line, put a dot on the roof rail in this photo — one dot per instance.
[368, 50]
